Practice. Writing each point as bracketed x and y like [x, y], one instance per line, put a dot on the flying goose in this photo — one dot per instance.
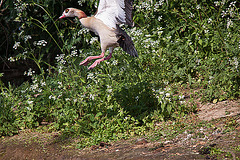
[105, 23]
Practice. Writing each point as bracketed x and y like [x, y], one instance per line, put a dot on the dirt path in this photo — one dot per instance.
[222, 109]
[215, 139]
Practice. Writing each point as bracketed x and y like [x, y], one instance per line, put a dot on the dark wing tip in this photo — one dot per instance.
[126, 43]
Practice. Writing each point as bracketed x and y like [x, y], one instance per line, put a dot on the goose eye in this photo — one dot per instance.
[66, 10]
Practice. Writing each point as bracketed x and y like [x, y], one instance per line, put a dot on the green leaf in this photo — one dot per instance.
[169, 109]
[215, 101]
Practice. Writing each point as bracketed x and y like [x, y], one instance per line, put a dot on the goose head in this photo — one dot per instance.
[73, 12]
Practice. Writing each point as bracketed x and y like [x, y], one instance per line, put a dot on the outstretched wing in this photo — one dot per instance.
[114, 12]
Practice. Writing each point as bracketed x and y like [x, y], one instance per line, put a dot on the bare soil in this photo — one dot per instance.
[219, 141]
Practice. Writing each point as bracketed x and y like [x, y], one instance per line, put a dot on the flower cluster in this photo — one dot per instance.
[93, 39]
[149, 6]
[20, 6]
[230, 10]
[61, 59]
[16, 45]
[27, 37]
[30, 72]
[73, 53]
[210, 20]
[40, 43]
[157, 5]
[83, 31]
[80, 2]
[229, 23]
[12, 59]
[235, 63]
[198, 6]
[90, 76]
[109, 89]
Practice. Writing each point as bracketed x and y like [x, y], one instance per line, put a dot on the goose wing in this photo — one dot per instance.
[115, 12]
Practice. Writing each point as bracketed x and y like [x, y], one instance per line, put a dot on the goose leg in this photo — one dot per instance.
[88, 59]
[100, 60]
[103, 59]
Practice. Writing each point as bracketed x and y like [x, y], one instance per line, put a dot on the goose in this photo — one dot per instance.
[105, 23]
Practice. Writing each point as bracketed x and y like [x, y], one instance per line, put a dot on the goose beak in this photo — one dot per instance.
[63, 16]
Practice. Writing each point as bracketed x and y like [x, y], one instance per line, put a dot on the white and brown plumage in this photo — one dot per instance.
[105, 23]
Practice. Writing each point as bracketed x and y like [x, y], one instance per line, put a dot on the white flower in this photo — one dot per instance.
[115, 62]
[198, 6]
[234, 62]
[167, 89]
[59, 96]
[229, 23]
[137, 98]
[109, 90]
[73, 47]
[161, 2]
[30, 72]
[209, 20]
[159, 18]
[60, 69]
[181, 97]
[223, 2]
[161, 93]
[191, 15]
[43, 83]
[27, 37]
[16, 45]
[90, 76]
[166, 82]
[93, 39]
[216, 3]
[42, 43]
[60, 58]
[182, 102]
[167, 94]
[91, 97]
[211, 77]
[52, 97]
[223, 14]
[30, 102]
[11, 59]
[60, 85]
[20, 6]
[83, 31]
[73, 53]
[198, 61]
[80, 2]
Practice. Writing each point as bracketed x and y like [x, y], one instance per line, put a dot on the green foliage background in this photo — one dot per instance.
[181, 45]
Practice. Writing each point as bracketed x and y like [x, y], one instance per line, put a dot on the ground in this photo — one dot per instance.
[212, 133]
